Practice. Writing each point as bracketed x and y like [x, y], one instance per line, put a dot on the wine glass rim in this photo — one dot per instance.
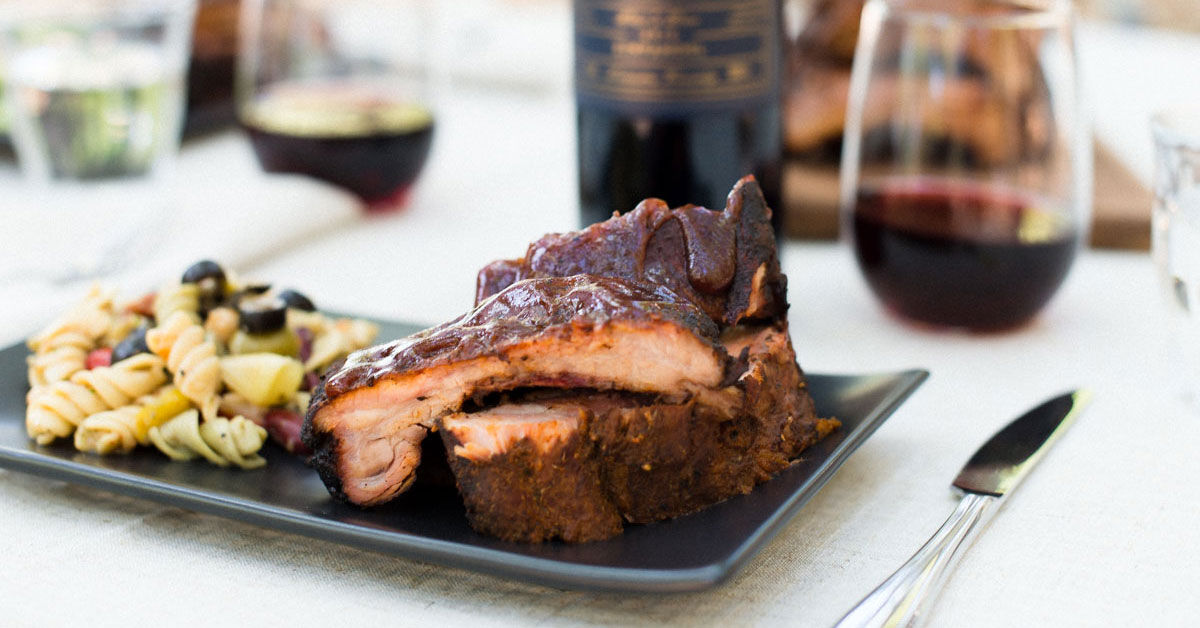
[1025, 14]
[1177, 128]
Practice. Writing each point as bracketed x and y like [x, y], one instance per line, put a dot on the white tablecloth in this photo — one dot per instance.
[1104, 532]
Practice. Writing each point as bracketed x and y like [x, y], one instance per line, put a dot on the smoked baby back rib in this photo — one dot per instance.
[368, 418]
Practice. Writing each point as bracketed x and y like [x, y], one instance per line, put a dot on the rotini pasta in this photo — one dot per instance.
[221, 441]
[54, 410]
[111, 431]
[177, 297]
[122, 429]
[60, 350]
[67, 357]
[191, 359]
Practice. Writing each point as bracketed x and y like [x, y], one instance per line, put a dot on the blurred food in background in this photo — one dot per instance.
[819, 57]
[818, 51]
[1170, 14]
[819, 79]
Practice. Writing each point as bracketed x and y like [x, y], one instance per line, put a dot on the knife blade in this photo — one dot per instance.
[988, 478]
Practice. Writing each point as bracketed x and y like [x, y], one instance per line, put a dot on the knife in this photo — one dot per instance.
[990, 475]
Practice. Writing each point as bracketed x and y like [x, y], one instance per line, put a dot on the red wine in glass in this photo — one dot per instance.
[957, 254]
[367, 141]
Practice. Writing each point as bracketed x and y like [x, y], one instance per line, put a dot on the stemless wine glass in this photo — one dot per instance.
[337, 90]
[94, 95]
[966, 170]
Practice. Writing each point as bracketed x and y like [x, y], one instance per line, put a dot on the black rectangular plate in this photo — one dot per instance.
[689, 553]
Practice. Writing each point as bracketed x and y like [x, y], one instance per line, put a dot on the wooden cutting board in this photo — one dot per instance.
[1120, 216]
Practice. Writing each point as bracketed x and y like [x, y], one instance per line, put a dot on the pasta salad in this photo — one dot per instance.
[206, 367]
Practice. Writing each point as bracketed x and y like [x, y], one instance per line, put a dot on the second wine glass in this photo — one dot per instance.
[337, 90]
[966, 172]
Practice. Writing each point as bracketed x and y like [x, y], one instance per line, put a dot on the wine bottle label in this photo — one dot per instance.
[661, 58]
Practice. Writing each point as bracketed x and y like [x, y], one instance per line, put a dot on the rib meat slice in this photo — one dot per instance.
[368, 418]
[724, 261]
[567, 466]
[576, 467]
[526, 472]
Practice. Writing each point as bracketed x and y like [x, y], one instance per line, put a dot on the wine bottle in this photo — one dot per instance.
[676, 99]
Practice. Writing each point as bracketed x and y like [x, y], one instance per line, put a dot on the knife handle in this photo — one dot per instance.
[901, 598]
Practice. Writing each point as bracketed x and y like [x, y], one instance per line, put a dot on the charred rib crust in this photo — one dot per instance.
[760, 293]
[324, 458]
[323, 443]
[709, 257]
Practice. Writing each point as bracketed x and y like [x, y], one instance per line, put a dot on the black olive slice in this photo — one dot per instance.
[210, 277]
[204, 269]
[261, 314]
[131, 345]
[297, 301]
